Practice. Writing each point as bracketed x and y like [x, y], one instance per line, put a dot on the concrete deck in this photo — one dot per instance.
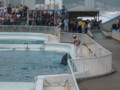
[17, 85]
[110, 82]
[84, 54]
[52, 38]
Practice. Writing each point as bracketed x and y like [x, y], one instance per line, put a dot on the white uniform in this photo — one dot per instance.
[77, 47]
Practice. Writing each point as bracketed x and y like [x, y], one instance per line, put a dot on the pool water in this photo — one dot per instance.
[24, 66]
[13, 41]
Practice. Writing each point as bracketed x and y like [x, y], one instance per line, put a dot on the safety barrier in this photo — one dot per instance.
[22, 28]
[99, 63]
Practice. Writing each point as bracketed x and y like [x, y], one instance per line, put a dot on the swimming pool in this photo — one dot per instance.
[24, 66]
[24, 56]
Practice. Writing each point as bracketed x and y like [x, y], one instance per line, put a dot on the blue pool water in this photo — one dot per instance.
[13, 41]
[24, 66]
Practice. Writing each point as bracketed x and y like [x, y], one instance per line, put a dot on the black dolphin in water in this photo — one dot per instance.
[64, 59]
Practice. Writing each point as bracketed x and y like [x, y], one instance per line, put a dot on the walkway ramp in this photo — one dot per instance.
[108, 24]
[53, 38]
[97, 33]
[105, 28]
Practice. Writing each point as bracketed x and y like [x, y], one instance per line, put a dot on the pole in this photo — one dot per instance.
[22, 2]
[54, 12]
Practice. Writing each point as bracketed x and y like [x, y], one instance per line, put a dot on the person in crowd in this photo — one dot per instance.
[95, 24]
[70, 25]
[25, 8]
[13, 9]
[99, 24]
[60, 26]
[64, 11]
[114, 27]
[83, 25]
[11, 20]
[1, 20]
[21, 10]
[9, 9]
[118, 22]
[89, 25]
[16, 9]
[66, 25]
[79, 27]
[86, 27]
[74, 26]
[5, 10]
[26, 28]
[33, 22]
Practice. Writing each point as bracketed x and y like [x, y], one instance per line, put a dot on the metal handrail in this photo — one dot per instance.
[74, 79]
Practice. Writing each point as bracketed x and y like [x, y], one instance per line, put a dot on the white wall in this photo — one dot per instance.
[57, 2]
[12, 2]
[116, 35]
[29, 3]
[90, 3]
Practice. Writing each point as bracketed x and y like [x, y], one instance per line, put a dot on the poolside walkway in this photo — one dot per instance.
[110, 82]
[52, 38]
[85, 51]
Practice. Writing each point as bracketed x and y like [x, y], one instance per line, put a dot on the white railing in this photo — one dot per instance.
[90, 67]
[96, 49]
[116, 35]
[37, 29]
[22, 28]
[74, 83]
[99, 63]
[66, 81]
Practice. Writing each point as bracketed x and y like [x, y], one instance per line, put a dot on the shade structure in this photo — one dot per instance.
[83, 12]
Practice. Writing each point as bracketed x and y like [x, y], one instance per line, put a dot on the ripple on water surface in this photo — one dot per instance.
[24, 66]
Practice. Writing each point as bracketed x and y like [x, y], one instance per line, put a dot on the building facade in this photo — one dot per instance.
[29, 3]
[90, 3]
[58, 3]
[12, 2]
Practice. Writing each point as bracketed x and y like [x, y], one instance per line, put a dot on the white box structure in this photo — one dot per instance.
[54, 2]
[90, 3]
[29, 3]
[12, 2]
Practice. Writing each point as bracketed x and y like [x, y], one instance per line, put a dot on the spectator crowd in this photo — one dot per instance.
[116, 26]
[62, 21]
[80, 25]
[13, 15]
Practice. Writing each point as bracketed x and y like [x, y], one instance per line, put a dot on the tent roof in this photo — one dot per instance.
[57, 10]
[82, 12]
[82, 8]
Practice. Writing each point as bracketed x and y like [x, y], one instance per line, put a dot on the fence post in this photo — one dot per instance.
[45, 29]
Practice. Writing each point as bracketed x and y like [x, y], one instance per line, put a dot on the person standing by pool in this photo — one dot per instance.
[77, 46]
[66, 23]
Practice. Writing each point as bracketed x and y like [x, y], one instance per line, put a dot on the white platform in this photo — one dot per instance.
[116, 35]
[17, 86]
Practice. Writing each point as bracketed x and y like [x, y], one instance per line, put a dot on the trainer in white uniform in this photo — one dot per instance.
[76, 43]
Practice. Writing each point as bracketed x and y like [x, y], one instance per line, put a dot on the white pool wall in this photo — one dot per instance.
[17, 85]
[24, 36]
[56, 81]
